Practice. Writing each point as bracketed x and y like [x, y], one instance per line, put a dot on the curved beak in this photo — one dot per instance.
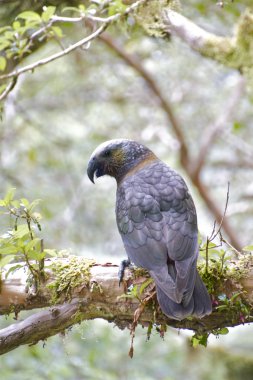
[92, 167]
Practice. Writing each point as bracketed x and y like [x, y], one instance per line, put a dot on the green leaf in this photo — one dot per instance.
[16, 25]
[145, 284]
[234, 296]
[6, 260]
[34, 204]
[116, 7]
[29, 16]
[194, 342]
[35, 243]
[199, 340]
[3, 63]
[50, 252]
[72, 9]
[248, 248]
[237, 126]
[48, 13]
[4, 28]
[211, 245]
[9, 196]
[10, 35]
[213, 252]
[81, 7]
[4, 44]
[221, 307]
[36, 255]
[8, 250]
[15, 203]
[3, 86]
[22, 231]
[13, 269]
[223, 331]
[2, 203]
[24, 202]
[57, 31]
[131, 296]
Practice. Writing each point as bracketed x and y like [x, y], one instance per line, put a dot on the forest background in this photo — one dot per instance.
[54, 118]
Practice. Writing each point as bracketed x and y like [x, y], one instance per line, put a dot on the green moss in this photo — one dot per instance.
[221, 275]
[219, 272]
[69, 274]
[235, 52]
[221, 49]
[140, 272]
[149, 16]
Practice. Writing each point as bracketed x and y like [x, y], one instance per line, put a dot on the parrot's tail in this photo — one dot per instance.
[199, 305]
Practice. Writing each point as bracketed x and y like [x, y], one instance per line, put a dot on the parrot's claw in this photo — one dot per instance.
[123, 265]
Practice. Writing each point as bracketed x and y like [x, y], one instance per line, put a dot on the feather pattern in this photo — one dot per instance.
[157, 220]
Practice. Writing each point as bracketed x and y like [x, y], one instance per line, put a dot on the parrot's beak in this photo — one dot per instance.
[92, 167]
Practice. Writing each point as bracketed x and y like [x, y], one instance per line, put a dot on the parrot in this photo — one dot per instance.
[157, 221]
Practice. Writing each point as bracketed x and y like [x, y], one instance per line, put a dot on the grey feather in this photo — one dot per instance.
[157, 221]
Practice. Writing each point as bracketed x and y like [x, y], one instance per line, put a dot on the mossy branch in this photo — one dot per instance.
[232, 51]
[78, 289]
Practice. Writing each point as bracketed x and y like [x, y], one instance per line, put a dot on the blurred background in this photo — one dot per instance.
[52, 122]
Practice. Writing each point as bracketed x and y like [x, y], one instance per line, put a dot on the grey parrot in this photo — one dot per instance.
[157, 221]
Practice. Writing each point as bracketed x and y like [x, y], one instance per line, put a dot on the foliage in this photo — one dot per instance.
[21, 242]
[17, 40]
[31, 29]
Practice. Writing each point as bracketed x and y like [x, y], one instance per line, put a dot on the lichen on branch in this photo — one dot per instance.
[232, 51]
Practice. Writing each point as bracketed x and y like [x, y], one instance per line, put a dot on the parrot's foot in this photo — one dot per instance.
[123, 265]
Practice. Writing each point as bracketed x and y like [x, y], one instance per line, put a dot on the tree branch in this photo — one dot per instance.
[55, 56]
[95, 293]
[198, 39]
[234, 52]
[8, 89]
[105, 23]
[219, 127]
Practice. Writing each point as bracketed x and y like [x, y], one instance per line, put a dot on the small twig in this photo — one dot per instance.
[43, 29]
[35, 273]
[222, 261]
[9, 88]
[237, 253]
[215, 233]
[137, 314]
[207, 255]
[42, 261]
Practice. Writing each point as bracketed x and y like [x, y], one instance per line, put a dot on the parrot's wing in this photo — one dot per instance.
[157, 221]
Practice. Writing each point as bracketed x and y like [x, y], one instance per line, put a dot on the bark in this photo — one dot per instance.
[76, 290]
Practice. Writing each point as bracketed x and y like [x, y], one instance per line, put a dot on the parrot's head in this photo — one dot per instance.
[117, 157]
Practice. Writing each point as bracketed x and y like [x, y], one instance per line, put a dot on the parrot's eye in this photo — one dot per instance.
[107, 153]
